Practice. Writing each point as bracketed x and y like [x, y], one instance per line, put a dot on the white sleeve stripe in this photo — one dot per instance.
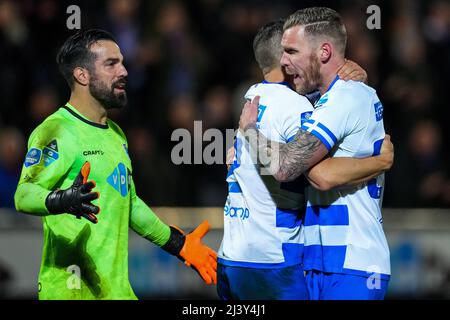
[307, 124]
[315, 125]
[319, 133]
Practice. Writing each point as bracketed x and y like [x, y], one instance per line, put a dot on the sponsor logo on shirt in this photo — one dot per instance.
[33, 157]
[237, 212]
[305, 117]
[378, 111]
[261, 110]
[119, 179]
[93, 153]
[53, 145]
[50, 153]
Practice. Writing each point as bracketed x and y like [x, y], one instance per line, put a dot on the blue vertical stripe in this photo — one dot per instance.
[377, 147]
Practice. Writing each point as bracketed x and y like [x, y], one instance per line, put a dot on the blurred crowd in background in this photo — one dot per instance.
[193, 60]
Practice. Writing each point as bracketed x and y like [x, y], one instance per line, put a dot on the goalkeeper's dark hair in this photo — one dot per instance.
[267, 45]
[75, 52]
[320, 22]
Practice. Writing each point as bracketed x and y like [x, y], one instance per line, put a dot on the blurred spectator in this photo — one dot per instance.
[217, 115]
[216, 109]
[12, 152]
[182, 113]
[419, 176]
[152, 175]
[43, 102]
[184, 57]
[11, 23]
[193, 60]
[437, 23]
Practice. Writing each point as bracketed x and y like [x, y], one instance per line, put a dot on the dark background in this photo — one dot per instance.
[193, 60]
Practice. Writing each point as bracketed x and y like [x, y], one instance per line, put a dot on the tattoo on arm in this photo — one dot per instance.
[286, 161]
[299, 155]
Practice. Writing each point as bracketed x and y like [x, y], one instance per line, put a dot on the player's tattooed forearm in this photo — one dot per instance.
[284, 161]
[297, 156]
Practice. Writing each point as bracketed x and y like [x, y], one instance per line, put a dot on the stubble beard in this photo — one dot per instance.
[105, 95]
[311, 78]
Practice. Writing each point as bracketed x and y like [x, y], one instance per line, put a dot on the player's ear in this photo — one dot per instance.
[81, 76]
[325, 51]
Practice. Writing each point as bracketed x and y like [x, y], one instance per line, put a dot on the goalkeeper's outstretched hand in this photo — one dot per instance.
[193, 252]
[77, 199]
[199, 256]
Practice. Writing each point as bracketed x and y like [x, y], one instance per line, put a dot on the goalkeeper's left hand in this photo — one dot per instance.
[193, 252]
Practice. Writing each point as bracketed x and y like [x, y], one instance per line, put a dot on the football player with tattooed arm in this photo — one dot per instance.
[346, 255]
[78, 163]
[261, 253]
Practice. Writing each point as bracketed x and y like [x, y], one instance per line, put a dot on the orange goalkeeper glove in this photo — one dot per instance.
[190, 249]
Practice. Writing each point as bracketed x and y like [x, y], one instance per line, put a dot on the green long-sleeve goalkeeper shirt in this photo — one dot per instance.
[82, 260]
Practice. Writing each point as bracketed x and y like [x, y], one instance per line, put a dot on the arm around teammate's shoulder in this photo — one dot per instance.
[338, 172]
[298, 155]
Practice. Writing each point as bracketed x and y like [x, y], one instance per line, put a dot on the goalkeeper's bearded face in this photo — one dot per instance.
[108, 77]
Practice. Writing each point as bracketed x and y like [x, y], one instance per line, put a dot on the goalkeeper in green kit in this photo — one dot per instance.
[77, 175]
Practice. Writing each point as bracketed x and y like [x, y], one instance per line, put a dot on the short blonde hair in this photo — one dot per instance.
[320, 22]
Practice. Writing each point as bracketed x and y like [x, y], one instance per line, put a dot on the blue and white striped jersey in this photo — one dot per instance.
[343, 227]
[262, 217]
